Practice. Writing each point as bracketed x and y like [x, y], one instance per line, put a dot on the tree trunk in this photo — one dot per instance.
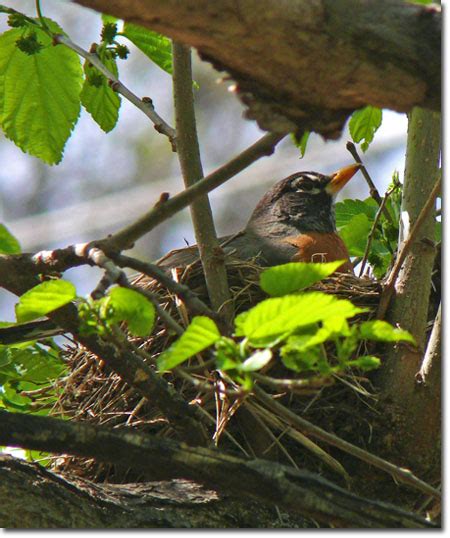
[416, 418]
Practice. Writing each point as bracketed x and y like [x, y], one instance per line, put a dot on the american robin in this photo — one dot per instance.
[294, 221]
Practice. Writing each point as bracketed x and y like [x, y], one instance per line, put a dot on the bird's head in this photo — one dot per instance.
[301, 202]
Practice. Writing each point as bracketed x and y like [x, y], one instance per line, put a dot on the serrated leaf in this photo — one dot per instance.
[295, 276]
[44, 298]
[155, 46]
[199, 335]
[8, 243]
[347, 209]
[39, 94]
[383, 331]
[282, 315]
[256, 361]
[132, 307]
[355, 234]
[99, 99]
[364, 124]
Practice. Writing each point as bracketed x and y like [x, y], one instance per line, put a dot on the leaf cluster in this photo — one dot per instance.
[44, 80]
[292, 325]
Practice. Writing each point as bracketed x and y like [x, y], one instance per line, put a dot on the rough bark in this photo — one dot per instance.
[306, 64]
[43, 500]
[417, 423]
[294, 491]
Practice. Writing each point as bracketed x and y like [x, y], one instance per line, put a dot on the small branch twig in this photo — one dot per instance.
[388, 289]
[402, 475]
[372, 188]
[145, 104]
[373, 229]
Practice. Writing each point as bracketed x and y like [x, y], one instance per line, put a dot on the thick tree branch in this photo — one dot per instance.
[45, 500]
[302, 64]
[299, 492]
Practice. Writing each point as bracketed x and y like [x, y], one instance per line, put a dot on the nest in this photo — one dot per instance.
[92, 393]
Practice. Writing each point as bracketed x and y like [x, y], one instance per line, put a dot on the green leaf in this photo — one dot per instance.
[256, 361]
[39, 94]
[355, 234]
[280, 316]
[8, 243]
[301, 142]
[295, 276]
[347, 209]
[97, 96]
[383, 331]
[132, 307]
[156, 46]
[364, 124]
[200, 334]
[44, 298]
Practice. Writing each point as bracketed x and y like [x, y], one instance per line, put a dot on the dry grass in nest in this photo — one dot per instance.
[94, 394]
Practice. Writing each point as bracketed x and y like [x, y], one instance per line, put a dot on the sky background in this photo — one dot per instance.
[107, 180]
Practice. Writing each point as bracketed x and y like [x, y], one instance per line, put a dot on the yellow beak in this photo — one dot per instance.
[341, 177]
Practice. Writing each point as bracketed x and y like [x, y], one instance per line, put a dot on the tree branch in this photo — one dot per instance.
[299, 492]
[287, 56]
[127, 236]
[211, 255]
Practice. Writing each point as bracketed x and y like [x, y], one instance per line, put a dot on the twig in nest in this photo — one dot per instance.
[402, 475]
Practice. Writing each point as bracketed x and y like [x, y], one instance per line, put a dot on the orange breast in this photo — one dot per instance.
[320, 247]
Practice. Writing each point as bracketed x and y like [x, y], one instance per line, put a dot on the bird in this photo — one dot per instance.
[293, 222]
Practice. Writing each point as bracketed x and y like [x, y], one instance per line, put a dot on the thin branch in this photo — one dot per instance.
[430, 370]
[389, 286]
[372, 188]
[126, 237]
[290, 489]
[402, 475]
[373, 229]
[211, 255]
[145, 104]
